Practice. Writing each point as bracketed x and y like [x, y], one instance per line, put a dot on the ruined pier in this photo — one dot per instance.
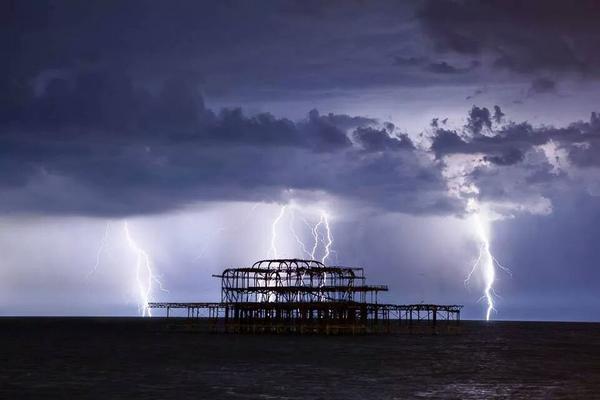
[307, 297]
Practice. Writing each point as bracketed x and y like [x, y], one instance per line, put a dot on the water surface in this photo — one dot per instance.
[123, 358]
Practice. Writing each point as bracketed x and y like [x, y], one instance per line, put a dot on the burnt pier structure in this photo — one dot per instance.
[308, 297]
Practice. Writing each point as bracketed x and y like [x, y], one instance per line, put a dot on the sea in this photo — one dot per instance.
[156, 358]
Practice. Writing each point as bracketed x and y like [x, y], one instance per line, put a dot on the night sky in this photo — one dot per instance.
[197, 121]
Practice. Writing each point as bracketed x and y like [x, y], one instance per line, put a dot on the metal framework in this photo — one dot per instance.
[295, 281]
[306, 296]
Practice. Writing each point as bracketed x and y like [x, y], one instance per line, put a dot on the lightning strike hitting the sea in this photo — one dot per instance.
[145, 277]
[486, 262]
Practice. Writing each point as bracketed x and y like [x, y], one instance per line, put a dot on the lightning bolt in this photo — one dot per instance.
[100, 251]
[326, 240]
[144, 275]
[324, 221]
[328, 237]
[273, 249]
[315, 233]
[486, 262]
[299, 241]
[321, 234]
[295, 234]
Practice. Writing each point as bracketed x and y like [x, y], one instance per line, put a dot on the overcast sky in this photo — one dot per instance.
[196, 122]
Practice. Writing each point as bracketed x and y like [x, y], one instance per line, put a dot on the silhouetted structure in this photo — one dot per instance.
[306, 296]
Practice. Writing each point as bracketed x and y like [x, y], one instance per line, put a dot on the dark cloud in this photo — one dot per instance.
[521, 168]
[324, 134]
[270, 47]
[541, 86]
[435, 122]
[102, 109]
[431, 66]
[447, 142]
[346, 122]
[275, 49]
[584, 150]
[498, 115]
[506, 144]
[372, 139]
[524, 37]
[99, 144]
[510, 156]
[478, 120]
[446, 68]
[501, 146]
[443, 68]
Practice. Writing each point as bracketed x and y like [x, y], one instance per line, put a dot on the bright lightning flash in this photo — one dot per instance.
[145, 277]
[486, 262]
[315, 232]
[322, 237]
[328, 238]
[273, 249]
[101, 248]
[321, 233]
[295, 234]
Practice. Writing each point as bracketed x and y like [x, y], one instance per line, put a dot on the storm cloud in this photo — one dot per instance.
[525, 37]
[518, 166]
[98, 144]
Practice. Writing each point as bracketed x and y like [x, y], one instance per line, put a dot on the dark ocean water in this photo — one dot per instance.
[117, 358]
